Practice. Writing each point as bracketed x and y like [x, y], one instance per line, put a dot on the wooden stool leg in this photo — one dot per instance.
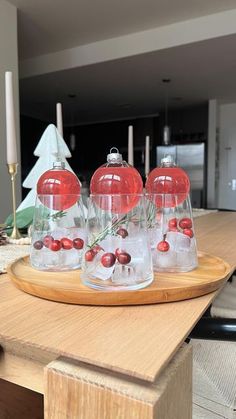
[80, 391]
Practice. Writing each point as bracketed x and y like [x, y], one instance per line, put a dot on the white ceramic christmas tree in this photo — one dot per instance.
[51, 148]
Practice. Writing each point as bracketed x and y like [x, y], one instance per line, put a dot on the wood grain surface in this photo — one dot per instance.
[67, 287]
[92, 393]
[138, 341]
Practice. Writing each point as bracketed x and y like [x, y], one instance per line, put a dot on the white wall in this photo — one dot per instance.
[212, 153]
[8, 61]
[221, 170]
[227, 156]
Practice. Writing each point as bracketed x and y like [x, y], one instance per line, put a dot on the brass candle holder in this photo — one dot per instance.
[12, 170]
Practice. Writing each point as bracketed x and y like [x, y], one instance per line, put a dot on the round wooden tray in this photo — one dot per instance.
[66, 287]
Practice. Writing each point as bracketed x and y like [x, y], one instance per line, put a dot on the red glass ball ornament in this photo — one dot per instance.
[108, 260]
[163, 246]
[116, 177]
[58, 188]
[171, 183]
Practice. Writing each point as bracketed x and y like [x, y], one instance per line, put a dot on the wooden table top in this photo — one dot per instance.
[138, 341]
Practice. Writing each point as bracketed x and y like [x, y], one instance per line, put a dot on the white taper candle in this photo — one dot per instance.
[59, 119]
[130, 146]
[147, 155]
[10, 120]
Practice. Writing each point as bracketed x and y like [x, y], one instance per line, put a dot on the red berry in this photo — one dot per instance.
[174, 229]
[163, 246]
[97, 248]
[66, 243]
[122, 232]
[172, 224]
[55, 245]
[188, 232]
[38, 244]
[124, 258]
[108, 260]
[185, 223]
[47, 240]
[78, 243]
[90, 255]
[118, 251]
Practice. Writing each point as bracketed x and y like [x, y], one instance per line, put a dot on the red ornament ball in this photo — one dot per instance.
[55, 245]
[78, 243]
[124, 258]
[185, 223]
[169, 186]
[66, 243]
[116, 188]
[108, 260]
[163, 246]
[188, 232]
[58, 189]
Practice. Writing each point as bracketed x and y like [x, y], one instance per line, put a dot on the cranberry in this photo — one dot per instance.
[47, 240]
[185, 223]
[188, 232]
[108, 260]
[172, 224]
[55, 245]
[97, 248]
[124, 258]
[78, 243]
[118, 251]
[38, 244]
[89, 255]
[122, 232]
[66, 243]
[163, 246]
[174, 229]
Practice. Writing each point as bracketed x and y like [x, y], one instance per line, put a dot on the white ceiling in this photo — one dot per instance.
[52, 25]
[125, 87]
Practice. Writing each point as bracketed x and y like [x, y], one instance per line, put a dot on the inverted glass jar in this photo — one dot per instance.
[58, 235]
[171, 232]
[117, 254]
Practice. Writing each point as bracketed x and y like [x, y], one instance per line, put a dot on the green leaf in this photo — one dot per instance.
[23, 218]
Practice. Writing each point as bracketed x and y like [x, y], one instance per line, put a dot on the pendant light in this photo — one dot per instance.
[166, 129]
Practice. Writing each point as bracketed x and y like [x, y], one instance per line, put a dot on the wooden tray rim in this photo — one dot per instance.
[119, 297]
